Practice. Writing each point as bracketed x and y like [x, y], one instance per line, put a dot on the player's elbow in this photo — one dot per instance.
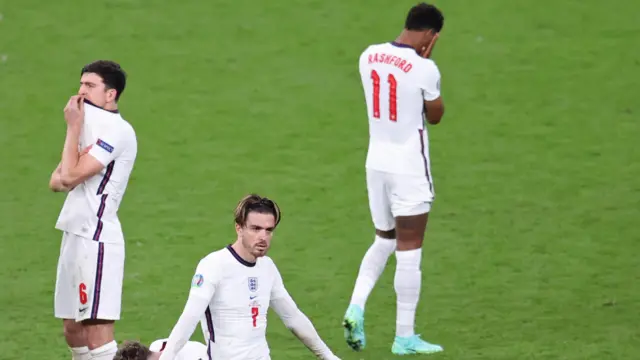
[435, 115]
[56, 188]
[434, 110]
[66, 181]
[434, 120]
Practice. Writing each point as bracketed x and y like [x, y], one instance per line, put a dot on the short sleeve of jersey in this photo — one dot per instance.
[108, 146]
[158, 345]
[430, 82]
[206, 278]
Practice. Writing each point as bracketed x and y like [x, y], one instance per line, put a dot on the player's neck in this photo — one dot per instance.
[111, 107]
[408, 38]
[243, 253]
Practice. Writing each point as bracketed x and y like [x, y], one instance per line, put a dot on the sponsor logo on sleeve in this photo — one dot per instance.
[103, 144]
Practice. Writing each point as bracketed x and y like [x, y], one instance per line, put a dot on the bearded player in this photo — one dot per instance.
[234, 287]
[90, 270]
[402, 88]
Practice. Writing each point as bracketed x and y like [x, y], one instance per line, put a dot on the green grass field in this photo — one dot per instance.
[532, 250]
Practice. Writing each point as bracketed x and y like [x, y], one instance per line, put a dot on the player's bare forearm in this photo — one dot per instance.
[70, 154]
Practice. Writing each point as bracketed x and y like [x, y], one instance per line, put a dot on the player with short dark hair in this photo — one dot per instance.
[99, 152]
[402, 87]
[233, 288]
[112, 75]
[424, 17]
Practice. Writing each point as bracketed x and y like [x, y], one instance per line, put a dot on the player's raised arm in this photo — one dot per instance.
[75, 168]
[296, 321]
[55, 182]
[203, 287]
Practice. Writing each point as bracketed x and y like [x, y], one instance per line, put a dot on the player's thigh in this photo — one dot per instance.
[411, 201]
[410, 195]
[379, 202]
[66, 289]
[100, 274]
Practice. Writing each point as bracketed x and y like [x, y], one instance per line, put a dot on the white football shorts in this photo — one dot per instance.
[89, 280]
[392, 195]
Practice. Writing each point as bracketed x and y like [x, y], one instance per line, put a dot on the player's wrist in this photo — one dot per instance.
[74, 129]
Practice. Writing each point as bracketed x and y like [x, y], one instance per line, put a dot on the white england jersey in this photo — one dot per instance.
[235, 322]
[91, 208]
[192, 350]
[396, 82]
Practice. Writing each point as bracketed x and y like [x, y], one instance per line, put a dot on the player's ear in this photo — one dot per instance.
[111, 95]
[238, 229]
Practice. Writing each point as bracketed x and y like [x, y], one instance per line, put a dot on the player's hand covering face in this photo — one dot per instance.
[257, 232]
[74, 112]
[426, 50]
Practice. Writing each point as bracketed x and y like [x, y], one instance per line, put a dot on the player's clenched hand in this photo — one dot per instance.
[74, 111]
[426, 51]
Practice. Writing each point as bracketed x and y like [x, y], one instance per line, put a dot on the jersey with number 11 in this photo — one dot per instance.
[396, 82]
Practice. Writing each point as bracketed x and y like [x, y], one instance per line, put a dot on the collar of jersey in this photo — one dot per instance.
[397, 44]
[240, 260]
[101, 108]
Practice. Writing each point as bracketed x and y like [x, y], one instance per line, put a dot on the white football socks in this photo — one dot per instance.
[371, 268]
[407, 284]
[80, 353]
[105, 352]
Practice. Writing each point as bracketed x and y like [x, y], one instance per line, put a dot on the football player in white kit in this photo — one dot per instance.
[134, 350]
[233, 288]
[401, 87]
[97, 159]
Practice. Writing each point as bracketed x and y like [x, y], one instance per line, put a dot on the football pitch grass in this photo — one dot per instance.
[532, 247]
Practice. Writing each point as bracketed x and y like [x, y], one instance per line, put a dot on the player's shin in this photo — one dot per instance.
[373, 264]
[80, 353]
[407, 283]
[104, 352]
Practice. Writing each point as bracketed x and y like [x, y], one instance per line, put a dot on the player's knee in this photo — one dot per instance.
[410, 231]
[73, 332]
[386, 234]
[408, 244]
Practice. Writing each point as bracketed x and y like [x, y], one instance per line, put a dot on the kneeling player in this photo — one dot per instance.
[134, 350]
[233, 289]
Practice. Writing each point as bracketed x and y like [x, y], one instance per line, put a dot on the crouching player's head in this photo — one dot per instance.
[134, 350]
